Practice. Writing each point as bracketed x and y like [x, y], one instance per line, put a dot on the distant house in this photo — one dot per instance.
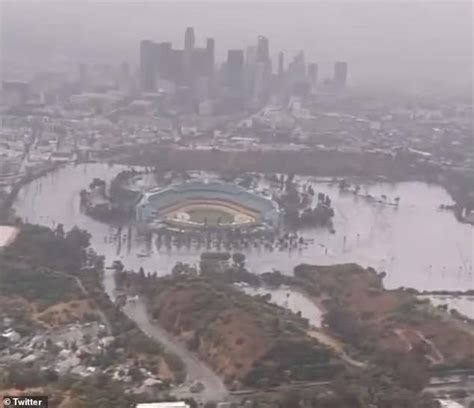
[11, 335]
[8, 234]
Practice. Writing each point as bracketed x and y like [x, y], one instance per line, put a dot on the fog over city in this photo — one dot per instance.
[420, 44]
[236, 204]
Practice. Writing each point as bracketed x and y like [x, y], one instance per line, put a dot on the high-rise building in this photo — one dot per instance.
[210, 45]
[235, 69]
[189, 39]
[299, 66]
[203, 88]
[165, 68]
[261, 82]
[200, 63]
[148, 65]
[178, 66]
[250, 64]
[281, 64]
[313, 75]
[263, 49]
[340, 74]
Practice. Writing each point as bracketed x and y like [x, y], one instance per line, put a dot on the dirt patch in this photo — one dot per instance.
[11, 306]
[336, 345]
[65, 313]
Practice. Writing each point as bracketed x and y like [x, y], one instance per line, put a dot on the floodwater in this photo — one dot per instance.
[417, 245]
[290, 299]
[463, 304]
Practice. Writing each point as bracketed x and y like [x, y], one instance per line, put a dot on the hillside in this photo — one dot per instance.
[373, 319]
[245, 339]
[56, 314]
[37, 284]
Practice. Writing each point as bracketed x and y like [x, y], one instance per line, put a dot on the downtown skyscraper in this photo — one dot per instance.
[160, 61]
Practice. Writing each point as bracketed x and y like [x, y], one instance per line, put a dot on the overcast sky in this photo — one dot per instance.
[386, 42]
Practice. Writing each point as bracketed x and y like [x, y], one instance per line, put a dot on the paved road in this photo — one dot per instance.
[214, 388]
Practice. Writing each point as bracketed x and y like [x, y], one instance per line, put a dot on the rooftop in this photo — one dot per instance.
[7, 235]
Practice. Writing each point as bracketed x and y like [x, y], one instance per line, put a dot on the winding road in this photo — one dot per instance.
[214, 388]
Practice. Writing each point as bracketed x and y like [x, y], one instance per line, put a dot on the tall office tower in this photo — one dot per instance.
[210, 45]
[263, 70]
[299, 66]
[203, 88]
[250, 62]
[177, 67]
[281, 64]
[313, 75]
[263, 49]
[340, 74]
[250, 56]
[235, 69]
[200, 63]
[261, 83]
[164, 63]
[189, 39]
[148, 59]
[188, 55]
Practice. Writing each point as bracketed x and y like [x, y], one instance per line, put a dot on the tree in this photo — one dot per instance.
[78, 238]
[239, 259]
[59, 231]
[343, 184]
[118, 266]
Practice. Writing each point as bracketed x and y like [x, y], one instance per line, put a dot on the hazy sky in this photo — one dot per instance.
[416, 43]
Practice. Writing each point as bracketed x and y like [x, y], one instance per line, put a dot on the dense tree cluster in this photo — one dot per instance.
[37, 265]
[362, 389]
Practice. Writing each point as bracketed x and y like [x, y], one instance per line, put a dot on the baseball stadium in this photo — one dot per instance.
[211, 205]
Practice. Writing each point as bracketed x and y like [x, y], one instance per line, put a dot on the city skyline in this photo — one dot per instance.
[249, 74]
[237, 205]
[434, 46]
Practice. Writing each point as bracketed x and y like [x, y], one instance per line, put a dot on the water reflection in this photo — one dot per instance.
[416, 244]
[463, 304]
[292, 300]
